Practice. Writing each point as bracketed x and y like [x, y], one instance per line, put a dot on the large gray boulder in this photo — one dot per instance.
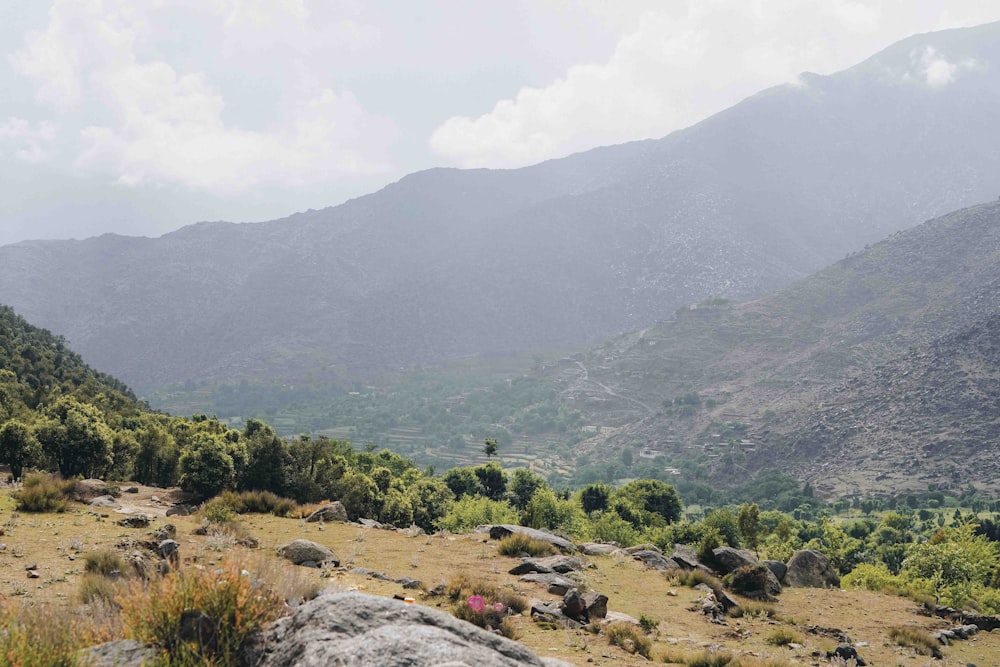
[305, 551]
[809, 568]
[728, 559]
[330, 512]
[355, 630]
[500, 531]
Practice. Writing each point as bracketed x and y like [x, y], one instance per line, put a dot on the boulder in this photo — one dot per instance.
[355, 630]
[596, 604]
[500, 531]
[574, 606]
[104, 501]
[120, 653]
[777, 567]
[134, 521]
[556, 583]
[372, 523]
[329, 513]
[809, 568]
[655, 560]
[846, 652]
[302, 551]
[180, 509]
[728, 559]
[686, 557]
[598, 549]
[634, 549]
[560, 564]
[754, 581]
[620, 617]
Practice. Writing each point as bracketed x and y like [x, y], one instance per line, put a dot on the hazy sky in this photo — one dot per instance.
[139, 116]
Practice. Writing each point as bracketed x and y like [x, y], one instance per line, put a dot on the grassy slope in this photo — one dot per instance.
[50, 539]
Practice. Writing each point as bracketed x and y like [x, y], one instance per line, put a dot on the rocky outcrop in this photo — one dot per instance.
[500, 531]
[355, 630]
[330, 512]
[305, 552]
[598, 549]
[728, 559]
[655, 560]
[809, 568]
[549, 564]
[754, 581]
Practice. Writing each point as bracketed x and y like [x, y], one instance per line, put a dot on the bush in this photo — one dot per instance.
[103, 562]
[232, 608]
[43, 493]
[486, 615]
[783, 637]
[751, 609]
[629, 638]
[471, 511]
[40, 637]
[517, 544]
[748, 580]
[255, 502]
[919, 640]
[97, 588]
[461, 587]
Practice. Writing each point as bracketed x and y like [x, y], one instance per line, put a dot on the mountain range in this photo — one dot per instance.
[448, 263]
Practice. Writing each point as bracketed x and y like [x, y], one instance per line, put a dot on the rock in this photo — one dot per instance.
[728, 559]
[560, 564]
[846, 652]
[300, 551]
[777, 567]
[85, 490]
[557, 584]
[574, 606]
[134, 521]
[355, 630]
[180, 509]
[198, 628]
[619, 617]
[169, 551]
[33, 574]
[409, 583]
[370, 523]
[685, 556]
[499, 532]
[631, 551]
[121, 653]
[104, 501]
[329, 513]
[596, 604]
[656, 560]
[598, 549]
[132, 489]
[754, 581]
[809, 568]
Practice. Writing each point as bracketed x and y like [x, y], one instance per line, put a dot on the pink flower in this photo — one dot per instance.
[498, 606]
[477, 603]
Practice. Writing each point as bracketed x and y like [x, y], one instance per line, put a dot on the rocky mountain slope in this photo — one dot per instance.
[447, 263]
[878, 373]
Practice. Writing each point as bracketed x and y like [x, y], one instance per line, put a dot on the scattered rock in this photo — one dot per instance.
[134, 521]
[499, 532]
[548, 564]
[329, 513]
[619, 617]
[301, 551]
[371, 523]
[597, 604]
[33, 574]
[655, 560]
[180, 509]
[132, 489]
[685, 556]
[103, 501]
[121, 653]
[847, 652]
[354, 630]
[557, 584]
[809, 568]
[85, 490]
[634, 549]
[598, 549]
[754, 581]
[574, 606]
[409, 583]
[169, 551]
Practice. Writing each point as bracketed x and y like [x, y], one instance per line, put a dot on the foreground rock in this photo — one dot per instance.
[500, 531]
[355, 630]
[548, 564]
[305, 552]
[809, 568]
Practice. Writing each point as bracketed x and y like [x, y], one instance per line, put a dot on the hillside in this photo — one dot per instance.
[448, 263]
[875, 374]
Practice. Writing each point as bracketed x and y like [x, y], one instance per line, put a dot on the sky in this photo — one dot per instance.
[141, 116]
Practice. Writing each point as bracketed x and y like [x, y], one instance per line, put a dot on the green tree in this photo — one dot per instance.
[75, 437]
[748, 522]
[493, 480]
[206, 466]
[463, 482]
[653, 496]
[268, 460]
[594, 497]
[431, 498]
[523, 485]
[18, 447]
[156, 460]
[490, 448]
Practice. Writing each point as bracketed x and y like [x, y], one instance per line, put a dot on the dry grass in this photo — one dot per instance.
[522, 545]
[919, 640]
[629, 638]
[43, 493]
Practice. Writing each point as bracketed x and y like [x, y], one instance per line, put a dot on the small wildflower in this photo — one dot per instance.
[477, 603]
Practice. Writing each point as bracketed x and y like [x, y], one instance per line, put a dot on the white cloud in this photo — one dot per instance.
[146, 120]
[33, 141]
[687, 61]
[935, 69]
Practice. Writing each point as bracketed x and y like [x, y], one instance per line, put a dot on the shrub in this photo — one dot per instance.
[752, 609]
[783, 637]
[103, 562]
[517, 544]
[695, 577]
[96, 588]
[629, 638]
[648, 624]
[487, 615]
[41, 637]
[748, 580]
[462, 587]
[232, 608]
[471, 511]
[704, 658]
[919, 640]
[255, 502]
[43, 493]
